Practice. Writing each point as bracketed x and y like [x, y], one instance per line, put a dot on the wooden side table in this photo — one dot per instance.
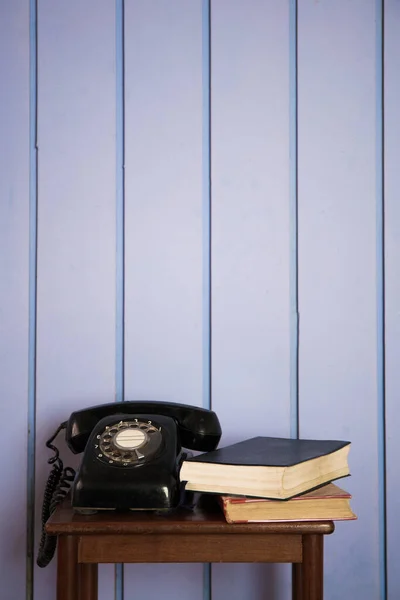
[199, 536]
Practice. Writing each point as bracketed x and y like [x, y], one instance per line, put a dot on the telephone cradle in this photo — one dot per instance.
[132, 454]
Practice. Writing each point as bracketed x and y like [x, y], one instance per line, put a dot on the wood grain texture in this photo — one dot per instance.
[250, 242]
[307, 576]
[297, 582]
[185, 548]
[88, 581]
[165, 541]
[163, 228]
[201, 535]
[67, 569]
[76, 233]
[312, 583]
[392, 289]
[208, 520]
[14, 285]
[337, 267]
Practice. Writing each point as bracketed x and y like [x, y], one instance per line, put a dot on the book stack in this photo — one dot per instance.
[274, 479]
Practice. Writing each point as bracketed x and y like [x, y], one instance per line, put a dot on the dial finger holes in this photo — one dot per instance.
[129, 442]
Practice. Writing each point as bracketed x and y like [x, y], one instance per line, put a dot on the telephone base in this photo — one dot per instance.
[160, 510]
[94, 511]
[88, 511]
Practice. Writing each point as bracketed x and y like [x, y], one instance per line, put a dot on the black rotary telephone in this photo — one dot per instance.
[132, 456]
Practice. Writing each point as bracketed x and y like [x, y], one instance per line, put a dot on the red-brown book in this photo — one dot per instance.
[327, 503]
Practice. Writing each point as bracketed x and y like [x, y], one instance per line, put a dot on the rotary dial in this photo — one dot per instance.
[128, 443]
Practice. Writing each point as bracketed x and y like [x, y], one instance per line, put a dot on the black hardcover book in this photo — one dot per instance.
[267, 467]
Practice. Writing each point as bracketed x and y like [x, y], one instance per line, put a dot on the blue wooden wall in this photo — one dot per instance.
[199, 203]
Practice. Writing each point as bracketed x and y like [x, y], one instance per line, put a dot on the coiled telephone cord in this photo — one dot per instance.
[57, 487]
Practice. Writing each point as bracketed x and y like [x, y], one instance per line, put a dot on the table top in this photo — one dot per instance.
[205, 517]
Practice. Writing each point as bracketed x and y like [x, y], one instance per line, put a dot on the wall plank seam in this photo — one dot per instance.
[380, 287]
[33, 212]
[120, 234]
[207, 232]
[293, 211]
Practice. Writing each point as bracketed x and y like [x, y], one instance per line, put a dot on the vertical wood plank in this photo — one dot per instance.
[14, 282]
[250, 243]
[76, 234]
[392, 292]
[337, 268]
[163, 227]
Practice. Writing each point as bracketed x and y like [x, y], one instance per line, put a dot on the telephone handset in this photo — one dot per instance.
[132, 456]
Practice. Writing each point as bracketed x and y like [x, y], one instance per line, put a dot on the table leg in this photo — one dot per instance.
[297, 584]
[309, 576]
[88, 581]
[67, 568]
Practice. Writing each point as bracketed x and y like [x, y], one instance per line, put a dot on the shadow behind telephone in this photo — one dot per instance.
[132, 456]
